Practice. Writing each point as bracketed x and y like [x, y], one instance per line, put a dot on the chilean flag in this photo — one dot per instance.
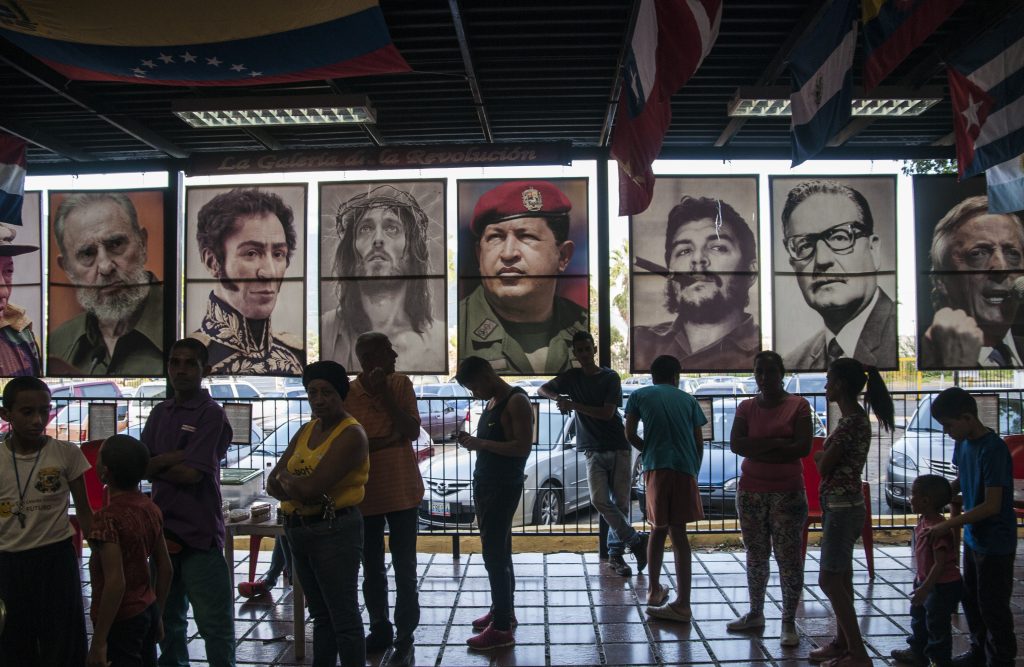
[670, 41]
[204, 43]
[12, 179]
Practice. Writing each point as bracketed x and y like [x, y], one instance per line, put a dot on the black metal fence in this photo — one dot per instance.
[556, 497]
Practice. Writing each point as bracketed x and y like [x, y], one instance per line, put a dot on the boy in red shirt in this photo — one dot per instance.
[126, 611]
[937, 585]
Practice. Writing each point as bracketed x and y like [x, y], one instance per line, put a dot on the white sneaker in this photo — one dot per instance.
[748, 621]
[789, 636]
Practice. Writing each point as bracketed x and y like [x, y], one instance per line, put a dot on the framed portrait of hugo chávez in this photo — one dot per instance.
[383, 267]
[970, 277]
[694, 289]
[105, 292]
[21, 301]
[523, 272]
[834, 270]
[245, 267]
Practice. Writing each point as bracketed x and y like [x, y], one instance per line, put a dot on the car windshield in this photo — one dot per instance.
[812, 385]
[151, 391]
[277, 442]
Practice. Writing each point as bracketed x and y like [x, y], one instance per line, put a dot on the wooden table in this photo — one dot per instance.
[270, 528]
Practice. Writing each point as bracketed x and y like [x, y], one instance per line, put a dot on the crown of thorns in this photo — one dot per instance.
[384, 196]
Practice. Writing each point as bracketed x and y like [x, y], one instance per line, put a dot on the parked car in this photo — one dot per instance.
[236, 453]
[531, 386]
[719, 468]
[72, 422]
[807, 384]
[925, 450]
[555, 485]
[266, 454]
[718, 388]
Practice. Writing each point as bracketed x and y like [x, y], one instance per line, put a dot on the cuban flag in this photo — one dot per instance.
[822, 70]
[986, 82]
[670, 41]
[12, 179]
[894, 28]
[203, 42]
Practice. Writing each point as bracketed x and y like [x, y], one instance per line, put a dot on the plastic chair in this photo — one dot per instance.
[812, 480]
[95, 491]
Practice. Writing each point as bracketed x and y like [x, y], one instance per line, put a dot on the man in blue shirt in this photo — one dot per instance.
[985, 477]
[671, 447]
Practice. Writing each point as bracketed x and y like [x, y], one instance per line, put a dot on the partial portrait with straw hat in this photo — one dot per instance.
[19, 350]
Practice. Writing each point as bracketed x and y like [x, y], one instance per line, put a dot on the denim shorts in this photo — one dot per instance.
[840, 529]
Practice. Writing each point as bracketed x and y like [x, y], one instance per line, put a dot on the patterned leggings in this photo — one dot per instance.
[767, 520]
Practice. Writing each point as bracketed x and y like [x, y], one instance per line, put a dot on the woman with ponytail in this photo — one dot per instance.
[840, 463]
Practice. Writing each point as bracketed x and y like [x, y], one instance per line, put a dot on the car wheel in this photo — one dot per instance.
[547, 509]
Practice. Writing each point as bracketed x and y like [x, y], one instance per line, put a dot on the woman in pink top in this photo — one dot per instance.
[772, 432]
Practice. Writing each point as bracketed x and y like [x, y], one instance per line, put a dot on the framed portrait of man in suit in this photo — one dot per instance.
[970, 277]
[834, 270]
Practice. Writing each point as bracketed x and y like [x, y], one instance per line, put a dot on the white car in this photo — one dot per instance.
[555, 486]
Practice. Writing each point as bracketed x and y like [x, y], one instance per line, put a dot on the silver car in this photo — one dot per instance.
[555, 485]
[925, 450]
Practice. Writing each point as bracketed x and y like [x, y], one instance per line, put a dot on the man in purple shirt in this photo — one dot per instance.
[187, 436]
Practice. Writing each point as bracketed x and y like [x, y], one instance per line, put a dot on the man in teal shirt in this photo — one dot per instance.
[671, 447]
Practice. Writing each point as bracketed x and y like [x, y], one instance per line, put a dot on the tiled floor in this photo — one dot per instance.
[573, 610]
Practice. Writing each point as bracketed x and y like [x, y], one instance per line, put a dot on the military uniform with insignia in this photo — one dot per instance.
[482, 332]
[236, 349]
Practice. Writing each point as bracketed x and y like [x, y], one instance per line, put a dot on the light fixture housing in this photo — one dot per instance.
[883, 102]
[275, 111]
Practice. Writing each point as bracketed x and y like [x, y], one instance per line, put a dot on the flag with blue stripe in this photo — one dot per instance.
[986, 82]
[821, 67]
[203, 43]
[12, 179]
[1005, 184]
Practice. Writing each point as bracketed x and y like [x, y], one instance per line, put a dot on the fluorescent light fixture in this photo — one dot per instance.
[273, 111]
[882, 103]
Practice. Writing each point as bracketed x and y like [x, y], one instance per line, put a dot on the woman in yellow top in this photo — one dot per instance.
[319, 481]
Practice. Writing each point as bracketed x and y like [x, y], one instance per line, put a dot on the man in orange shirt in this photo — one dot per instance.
[383, 401]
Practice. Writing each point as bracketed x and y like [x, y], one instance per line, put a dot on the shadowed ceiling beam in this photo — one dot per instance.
[45, 141]
[778, 63]
[467, 63]
[46, 77]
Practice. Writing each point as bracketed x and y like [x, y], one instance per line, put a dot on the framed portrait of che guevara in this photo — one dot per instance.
[970, 277]
[383, 268]
[245, 268]
[105, 293]
[523, 276]
[694, 287]
[21, 303]
[834, 270]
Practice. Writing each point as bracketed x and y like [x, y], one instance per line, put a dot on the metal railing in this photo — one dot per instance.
[556, 498]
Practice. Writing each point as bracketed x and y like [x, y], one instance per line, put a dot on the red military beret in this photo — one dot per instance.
[519, 199]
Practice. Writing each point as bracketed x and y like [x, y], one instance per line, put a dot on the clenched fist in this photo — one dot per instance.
[953, 340]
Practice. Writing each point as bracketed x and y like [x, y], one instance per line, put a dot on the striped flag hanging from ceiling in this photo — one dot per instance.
[203, 43]
[12, 179]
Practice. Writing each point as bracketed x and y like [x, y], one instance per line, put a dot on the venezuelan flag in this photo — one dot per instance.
[894, 28]
[204, 42]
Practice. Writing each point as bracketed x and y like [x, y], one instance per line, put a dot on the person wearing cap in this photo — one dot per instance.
[711, 257]
[515, 318]
[383, 239]
[19, 350]
[977, 257]
[103, 252]
[246, 240]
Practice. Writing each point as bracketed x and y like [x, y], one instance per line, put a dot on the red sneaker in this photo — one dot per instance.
[251, 589]
[491, 638]
[480, 624]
